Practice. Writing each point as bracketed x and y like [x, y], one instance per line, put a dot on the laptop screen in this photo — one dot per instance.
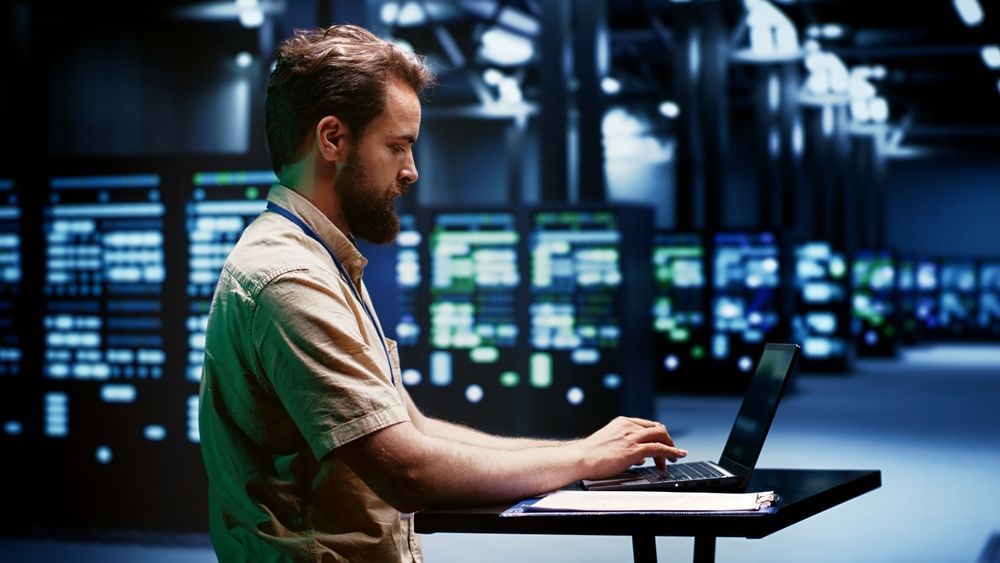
[759, 405]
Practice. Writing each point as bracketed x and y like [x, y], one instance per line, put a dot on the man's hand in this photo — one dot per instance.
[624, 442]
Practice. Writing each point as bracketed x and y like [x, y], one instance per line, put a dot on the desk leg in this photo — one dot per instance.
[644, 549]
[704, 549]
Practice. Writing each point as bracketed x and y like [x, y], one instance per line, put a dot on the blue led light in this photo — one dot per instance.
[12, 427]
[474, 393]
[103, 455]
[574, 396]
[155, 432]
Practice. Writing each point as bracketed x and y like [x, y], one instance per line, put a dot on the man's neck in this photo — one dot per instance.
[315, 183]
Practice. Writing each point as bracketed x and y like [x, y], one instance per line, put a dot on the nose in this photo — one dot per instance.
[408, 174]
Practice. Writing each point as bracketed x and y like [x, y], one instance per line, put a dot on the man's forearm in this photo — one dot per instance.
[465, 435]
[454, 472]
[412, 468]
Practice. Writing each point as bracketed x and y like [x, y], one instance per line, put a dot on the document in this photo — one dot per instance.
[651, 501]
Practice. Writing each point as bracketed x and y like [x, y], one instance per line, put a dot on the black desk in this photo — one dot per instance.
[804, 492]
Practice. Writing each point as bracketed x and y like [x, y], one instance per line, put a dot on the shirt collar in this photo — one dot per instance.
[342, 246]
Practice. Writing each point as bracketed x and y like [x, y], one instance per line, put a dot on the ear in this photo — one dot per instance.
[332, 138]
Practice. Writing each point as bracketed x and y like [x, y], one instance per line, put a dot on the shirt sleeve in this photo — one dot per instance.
[310, 350]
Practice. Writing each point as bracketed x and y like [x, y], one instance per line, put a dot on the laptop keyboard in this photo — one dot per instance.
[682, 472]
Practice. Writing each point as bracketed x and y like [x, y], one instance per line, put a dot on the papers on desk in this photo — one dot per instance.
[645, 502]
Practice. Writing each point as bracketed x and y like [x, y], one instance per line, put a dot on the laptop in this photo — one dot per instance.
[746, 440]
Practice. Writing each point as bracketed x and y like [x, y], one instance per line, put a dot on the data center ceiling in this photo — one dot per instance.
[929, 63]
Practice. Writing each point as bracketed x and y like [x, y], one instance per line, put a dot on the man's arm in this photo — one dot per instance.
[412, 470]
[465, 435]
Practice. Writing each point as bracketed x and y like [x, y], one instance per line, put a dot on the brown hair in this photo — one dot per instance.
[343, 71]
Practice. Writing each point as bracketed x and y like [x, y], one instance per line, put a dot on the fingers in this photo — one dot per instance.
[642, 422]
[661, 452]
[649, 424]
[654, 434]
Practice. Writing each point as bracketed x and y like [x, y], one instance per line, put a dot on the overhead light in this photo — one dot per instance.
[770, 34]
[510, 91]
[773, 92]
[244, 59]
[505, 48]
[492, 76]
[828, 80]
[829, 122]
[669, 109]
[833, 31]
[389, 13]
[878, 109]
[619, 122]
[610, 85]
[859, 87]
[860, 110]
[991, 55]
[250, 13]
[411, 14]
[251, 16]
[970, 11]
[518, 20]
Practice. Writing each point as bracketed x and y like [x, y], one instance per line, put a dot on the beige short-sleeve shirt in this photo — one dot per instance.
[294, 368]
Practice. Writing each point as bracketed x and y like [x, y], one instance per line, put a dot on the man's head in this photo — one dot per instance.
[343, 70]
[352, 98]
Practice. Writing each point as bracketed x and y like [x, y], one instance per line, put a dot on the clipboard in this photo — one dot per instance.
[590, 503]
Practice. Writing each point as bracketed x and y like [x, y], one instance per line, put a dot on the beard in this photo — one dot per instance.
[370, 212]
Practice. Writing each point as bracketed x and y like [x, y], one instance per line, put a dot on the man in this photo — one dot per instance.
[313, 448]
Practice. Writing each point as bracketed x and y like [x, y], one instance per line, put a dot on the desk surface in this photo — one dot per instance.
[804, 492]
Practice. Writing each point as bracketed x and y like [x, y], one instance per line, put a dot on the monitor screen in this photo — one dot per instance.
[746, 440]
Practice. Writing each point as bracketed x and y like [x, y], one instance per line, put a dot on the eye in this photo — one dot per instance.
[398, 149]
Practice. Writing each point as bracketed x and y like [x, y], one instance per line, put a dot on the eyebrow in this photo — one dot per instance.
[408, 138]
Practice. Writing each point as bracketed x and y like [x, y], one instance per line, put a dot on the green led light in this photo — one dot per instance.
[252, 192]
[509, 379]
[697, 352]
[484, 355]
[541, 370]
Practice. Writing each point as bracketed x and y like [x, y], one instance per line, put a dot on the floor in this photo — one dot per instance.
[929, 420]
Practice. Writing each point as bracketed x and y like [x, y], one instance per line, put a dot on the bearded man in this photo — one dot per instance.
[313, 449]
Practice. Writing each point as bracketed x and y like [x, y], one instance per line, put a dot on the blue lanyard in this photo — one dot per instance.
[275, 208]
